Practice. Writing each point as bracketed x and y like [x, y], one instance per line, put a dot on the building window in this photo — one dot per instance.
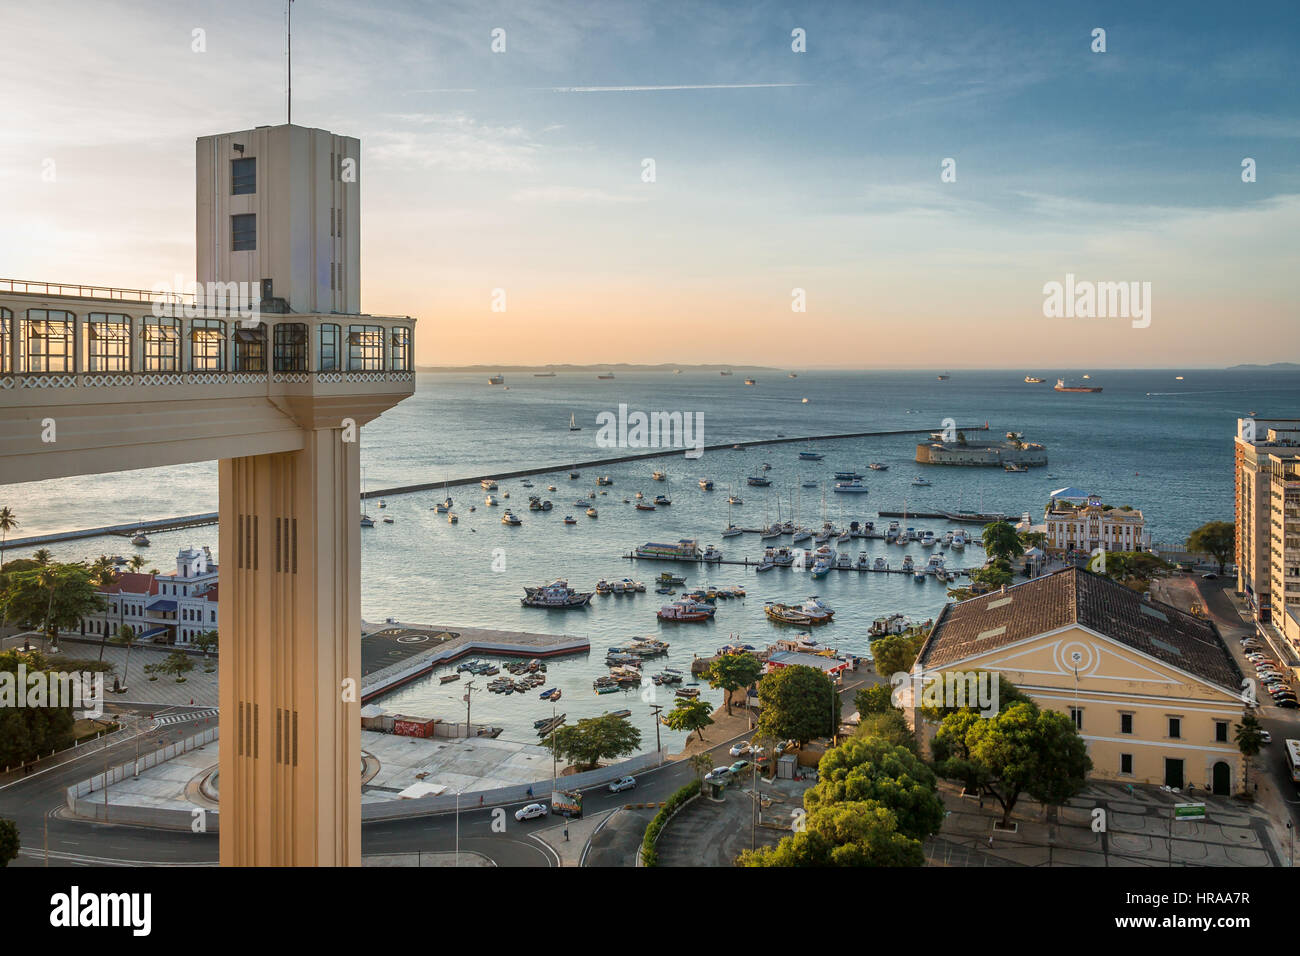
[162, 343]
[250, 351]
[290, 347]
[329, 348]
[1076, 715]
[107, 340]
[243, 176]
[1175, 728]
[207, 345]
[401, 348]
[243, 232]
[365, 348]
[1126, 764]
[1126, 723]
[6, 342]
[1221, 731]
[46, 341]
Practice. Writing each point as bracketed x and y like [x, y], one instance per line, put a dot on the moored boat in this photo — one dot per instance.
[557, 595]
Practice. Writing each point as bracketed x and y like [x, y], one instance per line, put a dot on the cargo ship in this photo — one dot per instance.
[1061, 386]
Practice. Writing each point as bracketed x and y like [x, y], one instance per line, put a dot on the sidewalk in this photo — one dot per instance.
[580, 832]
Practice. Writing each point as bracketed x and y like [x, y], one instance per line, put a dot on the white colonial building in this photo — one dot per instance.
[172, 608]
[1083, 523]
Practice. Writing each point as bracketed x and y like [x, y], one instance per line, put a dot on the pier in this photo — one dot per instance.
[747, 563]
[160, 525]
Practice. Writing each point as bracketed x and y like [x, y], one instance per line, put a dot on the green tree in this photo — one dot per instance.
[103, 577]
[29, 732]
[9, 842]
[1001, 541]
[874, 699]
[8, 522]
[896, 653]
[206, 641]
[798, 703]
[125, 637]
[588, 742]
[1250, 740]
[843, 834]
[136, 562]
[869, 768]
[732, 672]
[1033, 539]
[51, 597]
[1218, 539]
[178, 663]
[42, 556]
[701, 764]
[891, 727]
[689, 715]
[1020, 750]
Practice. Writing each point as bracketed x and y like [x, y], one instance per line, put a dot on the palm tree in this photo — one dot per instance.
[125, 636]
[104, 578]
[42, 557]
[7, 523]
[49, 579]
[136, 562]
[1249, 740]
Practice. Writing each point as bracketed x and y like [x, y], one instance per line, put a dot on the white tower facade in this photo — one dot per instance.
[279, 207]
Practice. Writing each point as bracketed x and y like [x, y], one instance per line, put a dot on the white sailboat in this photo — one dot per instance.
[573, 423]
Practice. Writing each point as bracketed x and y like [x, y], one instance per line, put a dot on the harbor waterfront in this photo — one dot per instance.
[1144, 441]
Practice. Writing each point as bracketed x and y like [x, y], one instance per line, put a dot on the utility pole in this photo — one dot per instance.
[469, 689]
[655, 710]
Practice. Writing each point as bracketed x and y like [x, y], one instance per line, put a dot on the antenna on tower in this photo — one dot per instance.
[289, 90]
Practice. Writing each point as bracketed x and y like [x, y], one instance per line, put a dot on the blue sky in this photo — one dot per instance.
[816, 170]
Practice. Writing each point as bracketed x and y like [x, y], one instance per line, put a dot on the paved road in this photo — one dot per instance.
[35, 802]
[1280, 723]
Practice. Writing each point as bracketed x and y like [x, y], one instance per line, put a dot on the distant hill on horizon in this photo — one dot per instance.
[1274, 366]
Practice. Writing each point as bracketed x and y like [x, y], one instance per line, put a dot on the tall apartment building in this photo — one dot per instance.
[1260, 446]
[1284, 544]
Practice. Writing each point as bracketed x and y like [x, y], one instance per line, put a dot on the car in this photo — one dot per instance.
[1271, 675]
[1208, 576]
[1284, 691]
[622, 783]
[740, 749]
[1283, 695]
[739, 766]
[532, 811]
[1265, 737]
[1287, 702]
[1256, 656]
[717, 775]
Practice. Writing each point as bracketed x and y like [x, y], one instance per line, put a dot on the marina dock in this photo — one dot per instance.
[746, 563]
[159, 525]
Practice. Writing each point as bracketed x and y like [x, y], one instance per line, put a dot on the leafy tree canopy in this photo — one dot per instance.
[798, 703]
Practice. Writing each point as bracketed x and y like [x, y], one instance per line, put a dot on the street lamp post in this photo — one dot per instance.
[656, 710]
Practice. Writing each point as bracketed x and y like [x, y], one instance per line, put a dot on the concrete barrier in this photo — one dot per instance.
[81, 804]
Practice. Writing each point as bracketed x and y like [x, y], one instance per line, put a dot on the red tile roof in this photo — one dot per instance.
[1074, 596]
[132, 583]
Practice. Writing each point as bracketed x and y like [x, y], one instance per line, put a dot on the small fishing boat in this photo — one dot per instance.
[810, 456]
[853, 487]
[510, 518]
[591, 512]
[366, 522]
[570, 519]
[551, 693]
[448, 678]
[490, 500]
[645, 506]
[488, 484]
[688, 692]
[878, 466]
[706, 484]
[920, 480]
[667, 577]
[574, 475]
[387, 519]
[908, 564]
[662, 500]
[758, 481]
[880, 564]
[604, 480]
[750, 381]
[452, 517]
[658, 475]
[382, 504]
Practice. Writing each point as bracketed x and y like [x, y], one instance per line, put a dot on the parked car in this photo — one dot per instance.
[622, 783]
[1287, 702]
[739, 766]
[717, 775]
[740, 749]
[1209, 576]
[532, 811]
[1265, 737]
